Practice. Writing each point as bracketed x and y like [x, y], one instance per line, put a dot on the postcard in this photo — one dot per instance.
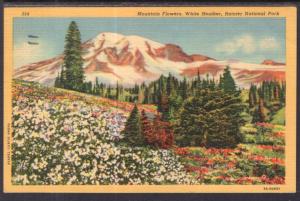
[150, 99]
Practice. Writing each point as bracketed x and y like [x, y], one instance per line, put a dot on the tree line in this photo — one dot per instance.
[206, 113]
[266, 99]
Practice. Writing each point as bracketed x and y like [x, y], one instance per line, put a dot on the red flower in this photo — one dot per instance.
[278, 148]
[244, 180]
[95, 114]
[182, 151]
[275, 180]
[265, 147]
[263, 124]
[257, 158]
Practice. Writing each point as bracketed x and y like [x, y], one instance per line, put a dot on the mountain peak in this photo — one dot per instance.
[109, 36]
[116, 38]
[113, 57]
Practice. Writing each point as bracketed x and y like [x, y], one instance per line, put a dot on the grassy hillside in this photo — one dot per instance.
[279, 117]
[35, 89]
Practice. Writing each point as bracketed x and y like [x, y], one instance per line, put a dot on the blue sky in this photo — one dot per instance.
[247, 39]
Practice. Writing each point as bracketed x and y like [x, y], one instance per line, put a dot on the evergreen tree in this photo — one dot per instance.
[117, 91]
[133, 130]
[170, 84]
[212, 84]
[270, 91]
[147, 128]
[218, 134]
[146, 96]
[184, 89]
[282, 94]
[227, 82]
[212, 119]
[252, 96]
[164, 105]
[155, 94]
[276, 91]
[97, 87]
[62, 77]
[174, 104]
[57, 81]
[72, 71]
[259, 113]
[102, 89]
[108, 92]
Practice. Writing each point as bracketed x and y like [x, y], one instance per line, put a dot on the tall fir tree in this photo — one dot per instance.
[164, 105]
[259, 112]
[170, 84]
[227, 82]
[252, 96]
[184, 89]
[72, 74]
[117, 91]
[276, 91]
[282, 94]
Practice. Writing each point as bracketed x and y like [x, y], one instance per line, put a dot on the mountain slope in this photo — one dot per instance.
[113, 57]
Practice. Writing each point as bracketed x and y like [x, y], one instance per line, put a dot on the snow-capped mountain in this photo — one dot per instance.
[113, 57]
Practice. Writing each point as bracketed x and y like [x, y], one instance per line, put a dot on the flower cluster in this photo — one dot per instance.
[246, 164]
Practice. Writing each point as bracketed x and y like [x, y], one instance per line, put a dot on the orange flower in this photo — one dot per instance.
[203, 170]
[210, 162]
[277, 161]
[279, 134]
[230, 164]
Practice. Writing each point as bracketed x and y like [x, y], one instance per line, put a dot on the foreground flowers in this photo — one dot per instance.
[69, 141]
[62, 137]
